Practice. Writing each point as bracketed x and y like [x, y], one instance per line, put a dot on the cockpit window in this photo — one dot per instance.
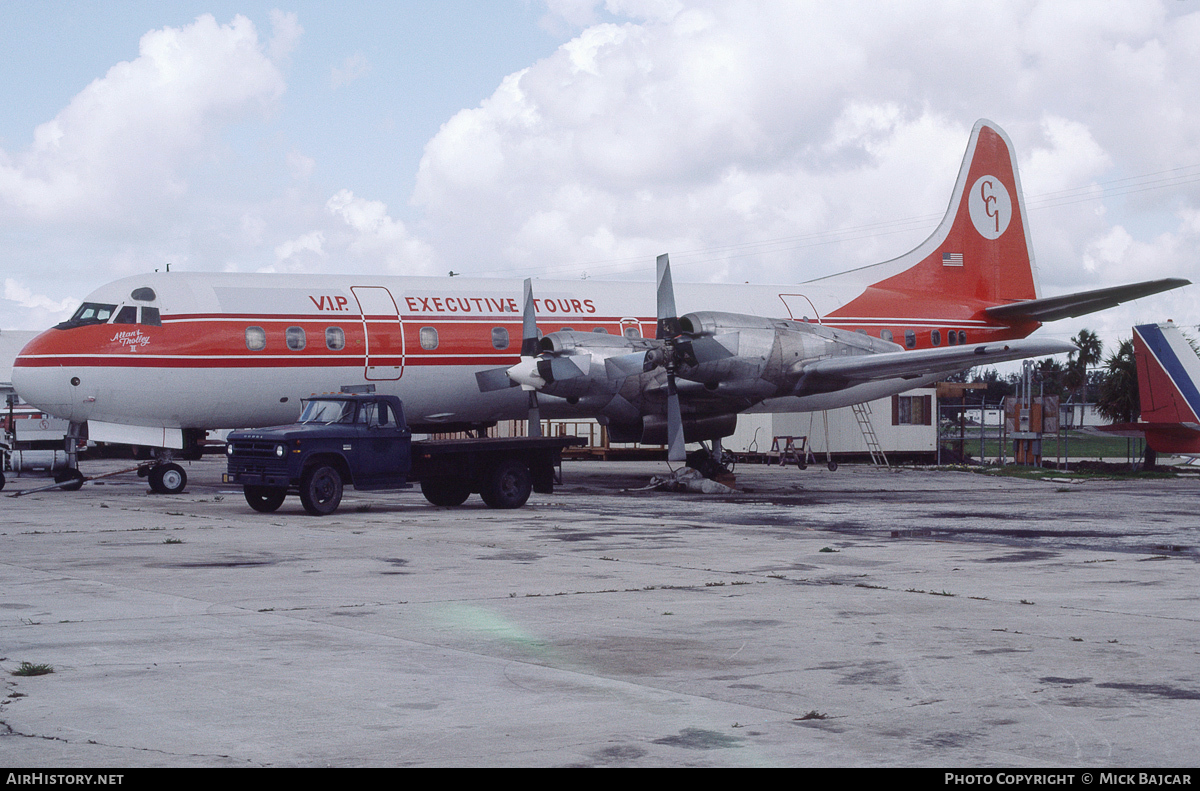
[89, 313]
[328, 412]
[150, 316]
[127, 315]
[143, 294]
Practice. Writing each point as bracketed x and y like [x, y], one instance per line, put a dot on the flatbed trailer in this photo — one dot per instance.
[363, 441]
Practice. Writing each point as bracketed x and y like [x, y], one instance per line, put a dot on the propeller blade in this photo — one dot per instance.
[535, 415]
[529, 333]
[493, 379]
[623, 365]
[668, 321]
[717, 347]
[675, 444]
[529, 352]
[559, 369]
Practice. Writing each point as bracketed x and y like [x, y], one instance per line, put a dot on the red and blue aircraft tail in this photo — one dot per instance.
[1168, 388]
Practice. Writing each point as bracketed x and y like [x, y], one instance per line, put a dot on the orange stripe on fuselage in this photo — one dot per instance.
[219, 340]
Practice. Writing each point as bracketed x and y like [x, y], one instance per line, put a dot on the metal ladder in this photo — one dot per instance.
[862, 413]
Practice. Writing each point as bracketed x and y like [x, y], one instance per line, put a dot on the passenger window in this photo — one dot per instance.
[951, 337]
[335, 339]
[910, 339]
[499, 338]
[295, 338]
[429, 338]
[127, 315]
[256, 339]
[600, 330]
[962, 337]
[632, 332]
[568, 329]
[151, 317]
[885, 334]
[935, 338]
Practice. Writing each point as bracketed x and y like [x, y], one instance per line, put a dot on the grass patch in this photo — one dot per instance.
[33, 669]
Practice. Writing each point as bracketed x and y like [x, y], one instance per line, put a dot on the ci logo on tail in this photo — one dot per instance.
[990, 207]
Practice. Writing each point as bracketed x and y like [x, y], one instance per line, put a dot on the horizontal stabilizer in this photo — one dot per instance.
[1081, 303]
[911, 364]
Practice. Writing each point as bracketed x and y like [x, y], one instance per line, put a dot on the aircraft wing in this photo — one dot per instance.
[1082, 302]
[919, 362]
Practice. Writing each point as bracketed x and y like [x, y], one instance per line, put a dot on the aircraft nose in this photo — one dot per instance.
[41, 380]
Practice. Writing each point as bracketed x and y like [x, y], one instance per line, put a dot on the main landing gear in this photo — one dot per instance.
[167, 478]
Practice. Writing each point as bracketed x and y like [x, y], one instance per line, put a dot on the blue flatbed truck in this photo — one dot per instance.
[363, 441]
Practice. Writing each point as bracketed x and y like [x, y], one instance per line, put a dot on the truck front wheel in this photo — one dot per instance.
[265, 499]
[507, 485]
[445, 491]
[321, 489]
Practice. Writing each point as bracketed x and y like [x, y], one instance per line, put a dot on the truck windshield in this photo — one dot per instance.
[328, 412]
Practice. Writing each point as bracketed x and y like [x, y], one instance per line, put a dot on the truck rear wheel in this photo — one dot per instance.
[265, 499]
[507, 485]
[321, 489]
[445, 491]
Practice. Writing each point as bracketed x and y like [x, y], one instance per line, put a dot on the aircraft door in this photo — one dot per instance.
[632, 328]
[800, 308]
[384, 331]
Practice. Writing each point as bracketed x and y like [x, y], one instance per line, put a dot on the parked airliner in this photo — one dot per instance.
[156, 359]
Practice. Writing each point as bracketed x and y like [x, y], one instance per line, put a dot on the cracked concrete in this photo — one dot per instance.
[854, 618]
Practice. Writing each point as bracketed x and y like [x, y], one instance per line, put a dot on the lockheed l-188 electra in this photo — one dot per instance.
[157, 359]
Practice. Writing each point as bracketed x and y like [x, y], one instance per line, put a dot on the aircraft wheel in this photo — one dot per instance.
[167, 479]
[74, 476]
[445, 491]
[265, 499]
[508, 485]
[321, 489]
[832, 466]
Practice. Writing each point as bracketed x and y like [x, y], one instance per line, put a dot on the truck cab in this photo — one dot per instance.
[358, 440]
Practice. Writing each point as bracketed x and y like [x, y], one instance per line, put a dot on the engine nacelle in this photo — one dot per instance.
[764, 349]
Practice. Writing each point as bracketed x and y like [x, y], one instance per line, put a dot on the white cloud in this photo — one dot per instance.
[118, 149]
[718, 126]
[293, 252]
[378, 238]
[18, 293]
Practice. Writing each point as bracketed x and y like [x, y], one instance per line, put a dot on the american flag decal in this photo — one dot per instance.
[952, 259]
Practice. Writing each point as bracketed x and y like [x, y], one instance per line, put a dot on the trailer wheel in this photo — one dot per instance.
[265, 499]
[1, 480]
[74, 476]
[167, 479]
[321, 489]
[832, 466]
[445, 491]
[507, 485]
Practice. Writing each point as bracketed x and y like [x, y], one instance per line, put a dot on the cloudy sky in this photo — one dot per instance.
[754, 141]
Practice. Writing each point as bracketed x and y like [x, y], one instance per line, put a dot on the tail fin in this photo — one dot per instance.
[979, 256]
[1168, 374]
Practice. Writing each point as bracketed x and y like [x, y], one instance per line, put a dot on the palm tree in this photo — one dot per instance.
[1118, 399]
[1088, 355]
